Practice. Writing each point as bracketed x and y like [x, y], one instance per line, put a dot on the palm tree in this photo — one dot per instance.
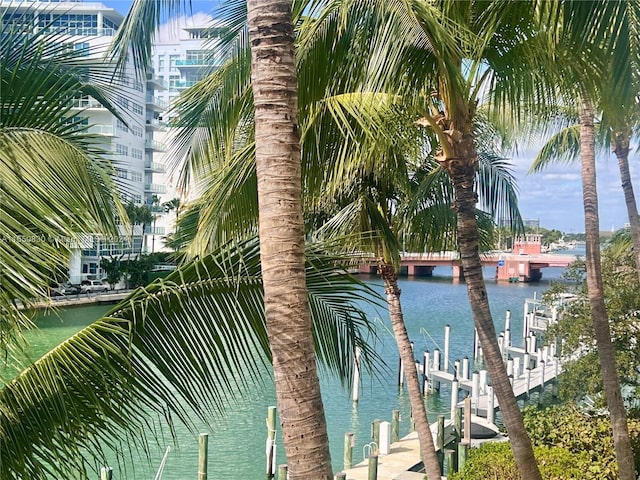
[56, 183]
[613, 77]
[185, 345]
[281, 226]
[364, 182]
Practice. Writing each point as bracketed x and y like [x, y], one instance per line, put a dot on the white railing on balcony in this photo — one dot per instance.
[155, 188]
[106, 130]
[154, 166]
[152, 100]
[154, 145]
[85, 103]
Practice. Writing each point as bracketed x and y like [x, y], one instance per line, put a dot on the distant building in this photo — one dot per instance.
[90, 28]
[184, 52]
[531, 222]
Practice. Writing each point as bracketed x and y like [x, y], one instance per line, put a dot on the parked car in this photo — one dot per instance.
[64, 289]
[93, 286]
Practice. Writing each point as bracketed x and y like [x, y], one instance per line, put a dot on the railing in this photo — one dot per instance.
[152, 100]
[154, 166]
[180, 84]
[106, 130]
[154, 145]
[155, 188]
[85, 103]
[194, 62]
[82, 32]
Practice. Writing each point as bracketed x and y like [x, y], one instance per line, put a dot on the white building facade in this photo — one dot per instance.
[90, 27]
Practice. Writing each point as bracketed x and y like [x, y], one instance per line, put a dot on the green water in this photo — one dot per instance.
[237, 441]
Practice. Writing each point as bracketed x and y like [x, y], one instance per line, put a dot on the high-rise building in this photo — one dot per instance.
[90, 27]
[183, 53]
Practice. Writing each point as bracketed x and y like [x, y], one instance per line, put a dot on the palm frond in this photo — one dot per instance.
[181, 346]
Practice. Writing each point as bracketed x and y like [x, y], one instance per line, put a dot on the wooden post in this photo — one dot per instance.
[373, 467]
[516, 367]
[203, 455]
[400, 374]
[467, 420]
[527, 381]
[526, 362]
[282, 472]
[507, 320]
[450, 461]
[436, 366]
[454, 396]
[541, 393]
[447, 338]
[395, 426]
[482, 381]
[440, 442]
[375, 431]
[463, 449]
[510, 366]
[355, 391]
[465, 368]
[271, 442]
[457, 422]
[475, 387]
[106, 473]
[490, 404]
[426, 372]
[348, 450]
[476, 346]
[385, 438]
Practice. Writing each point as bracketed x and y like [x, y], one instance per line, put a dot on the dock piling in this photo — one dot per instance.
[106, 473]
[373, 467]
[282, 472]
[355, 390]
[271, 442]
[203, 455]
[395, 426]
[447, 338]
[348, 450]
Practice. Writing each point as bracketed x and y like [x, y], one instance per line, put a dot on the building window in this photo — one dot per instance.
[82, 48]
[161, 62]
[136, 153]
[122, 102]
[122, 149]
[121, 173]
[121, 126]
[172, 63]
[136, 177]
[137, 108]
[137, 131]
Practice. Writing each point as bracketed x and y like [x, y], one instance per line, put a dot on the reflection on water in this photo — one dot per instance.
[237, 440]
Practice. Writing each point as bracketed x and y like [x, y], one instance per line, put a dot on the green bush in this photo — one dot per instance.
[495, 461]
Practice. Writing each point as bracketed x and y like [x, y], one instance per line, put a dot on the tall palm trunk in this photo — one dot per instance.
[427, 448]
[621, 149]
[274, 84]
[611, 382]
[462, 170]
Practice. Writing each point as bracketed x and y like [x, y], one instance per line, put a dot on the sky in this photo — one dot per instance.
[554, 197]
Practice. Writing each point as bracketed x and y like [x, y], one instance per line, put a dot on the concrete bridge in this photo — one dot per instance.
[523, 264]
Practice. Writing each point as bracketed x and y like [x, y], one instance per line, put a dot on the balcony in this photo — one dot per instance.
[156, 125]
[85, 103]
[156, 104]
[81, 32]
[154, 145]
[155, 188]
[194, 63]
[105, 130]
[156, 83]
[155, 167]
[182, 84]
[155, 231]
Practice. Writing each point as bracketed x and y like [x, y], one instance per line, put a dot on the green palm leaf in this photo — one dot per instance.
[190, 343]
[55, 183]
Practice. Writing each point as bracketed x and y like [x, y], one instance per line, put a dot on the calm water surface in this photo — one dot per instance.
[237, 441]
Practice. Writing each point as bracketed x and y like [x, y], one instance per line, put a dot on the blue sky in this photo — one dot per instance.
[555, 196]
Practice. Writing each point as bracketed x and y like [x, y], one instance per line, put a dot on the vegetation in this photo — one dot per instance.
[568, 444]
[622, 292]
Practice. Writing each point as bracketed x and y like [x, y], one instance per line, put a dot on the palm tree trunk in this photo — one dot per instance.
[462, 171]
[281, 230]
[621, 149]
[427, 448]
[611, 382]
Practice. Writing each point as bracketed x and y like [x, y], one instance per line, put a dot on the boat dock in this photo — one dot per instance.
[531, 368]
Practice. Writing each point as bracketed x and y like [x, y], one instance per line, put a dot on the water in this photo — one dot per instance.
[237, 442]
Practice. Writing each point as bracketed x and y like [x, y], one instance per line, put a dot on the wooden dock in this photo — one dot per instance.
[531, 368]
